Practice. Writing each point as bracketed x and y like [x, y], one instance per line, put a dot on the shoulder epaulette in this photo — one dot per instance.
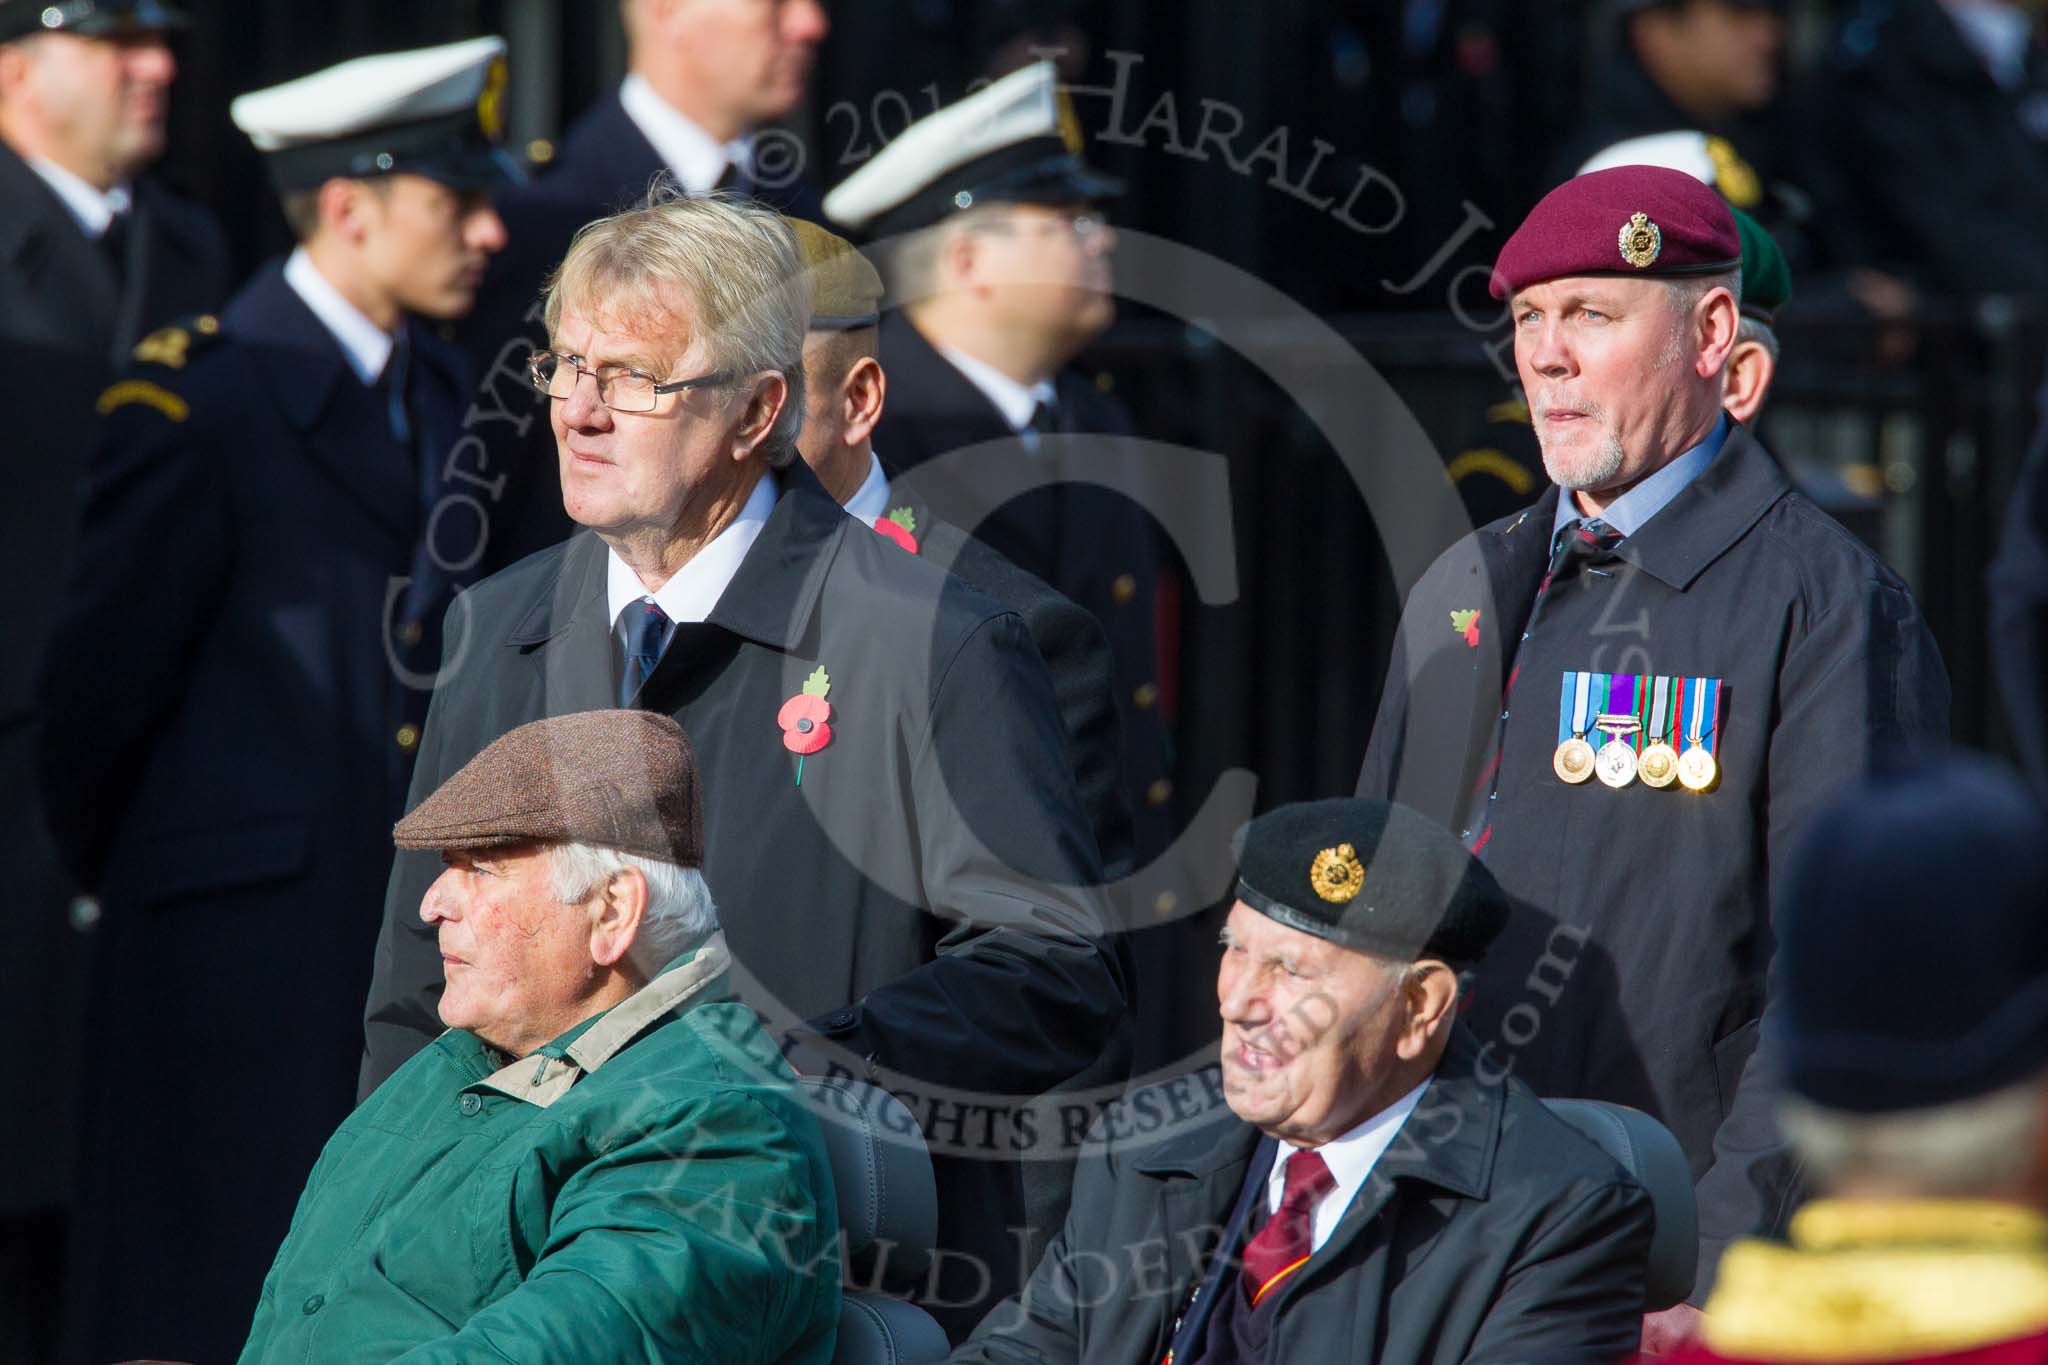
[172, 346]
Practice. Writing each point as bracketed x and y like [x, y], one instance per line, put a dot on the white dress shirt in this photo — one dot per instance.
[366, 345]
[697, 158]
[693, 590]
[1014, 401]
[1350, 1159]
[93, 207]
[871, 499]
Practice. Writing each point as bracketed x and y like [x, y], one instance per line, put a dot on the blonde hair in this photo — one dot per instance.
[727, 264]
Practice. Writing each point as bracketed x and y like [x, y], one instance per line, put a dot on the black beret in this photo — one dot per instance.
[1371, 875]
[88, 18]
[1912, 947]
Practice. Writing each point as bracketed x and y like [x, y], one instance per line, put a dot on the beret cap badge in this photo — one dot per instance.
[1640, 241]
[1336, 874]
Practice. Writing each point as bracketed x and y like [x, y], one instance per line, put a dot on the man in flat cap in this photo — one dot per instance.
[603, 1158]
[270, 534]
[1628, 698]
[990, 231]
[1280, 1211]
[896, 836]
[1919, 1114]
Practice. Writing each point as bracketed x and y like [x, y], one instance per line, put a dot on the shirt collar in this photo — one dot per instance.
[697, 158]
[545, 1075]
[367, 346]
[1628, 512]
[1013, 400]
[871, 499]
[93, 207]
[694, 589]
[1350, 1159]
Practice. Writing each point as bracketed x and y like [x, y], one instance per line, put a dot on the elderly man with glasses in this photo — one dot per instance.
[892, 824]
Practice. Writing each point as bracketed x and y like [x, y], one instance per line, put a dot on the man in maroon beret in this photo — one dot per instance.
[1631, 696]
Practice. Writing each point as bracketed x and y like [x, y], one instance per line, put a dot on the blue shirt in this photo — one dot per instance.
[1628, 512]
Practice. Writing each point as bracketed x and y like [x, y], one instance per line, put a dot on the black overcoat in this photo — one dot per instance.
[66, 326]
[1634, 968]
[1489, 1231]
[2019, 613]
[229, 735]
[915, 896]
[1093, 546]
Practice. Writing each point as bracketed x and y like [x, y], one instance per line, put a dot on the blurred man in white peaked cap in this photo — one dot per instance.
[287, 474]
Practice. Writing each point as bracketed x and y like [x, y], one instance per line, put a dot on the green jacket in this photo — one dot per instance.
[646, 1187]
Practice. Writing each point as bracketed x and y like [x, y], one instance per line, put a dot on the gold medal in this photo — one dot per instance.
[1616, 763]
[1573, 761]
[1658, 765]
[1697, 769]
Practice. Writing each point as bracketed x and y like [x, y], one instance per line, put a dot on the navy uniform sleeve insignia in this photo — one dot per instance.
[169, 348]
[132, 391]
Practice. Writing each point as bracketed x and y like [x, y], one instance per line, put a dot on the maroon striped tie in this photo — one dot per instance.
[1285, 1242]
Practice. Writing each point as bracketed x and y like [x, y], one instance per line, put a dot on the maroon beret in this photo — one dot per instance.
[617, 779]
[1629, 220]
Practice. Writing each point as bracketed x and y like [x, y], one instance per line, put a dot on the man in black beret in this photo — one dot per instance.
[1915, 1056]
[1279, 1211]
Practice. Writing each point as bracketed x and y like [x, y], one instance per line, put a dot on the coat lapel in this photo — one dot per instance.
[1209, 1181]
[40, 240]
[566, 631]
[342, 427]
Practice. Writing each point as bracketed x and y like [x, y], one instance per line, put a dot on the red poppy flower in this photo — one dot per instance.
[805, 723]
[889, 530]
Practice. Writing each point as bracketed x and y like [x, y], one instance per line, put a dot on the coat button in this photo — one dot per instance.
[1159, 793]
[85, 913]
[1146, 695]
[409, 633]
[313, 1305]
[838, 1019]
[1124, 588]
[470, 1104]
[1165, 904]
[408, 737]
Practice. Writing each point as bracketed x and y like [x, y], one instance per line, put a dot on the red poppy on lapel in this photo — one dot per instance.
[898, 526]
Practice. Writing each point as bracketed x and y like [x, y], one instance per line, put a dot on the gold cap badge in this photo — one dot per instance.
[1640, 241]
[490, 103]
[1336, 874]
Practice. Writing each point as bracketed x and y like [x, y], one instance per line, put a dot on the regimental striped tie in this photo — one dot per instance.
[1287, 1240]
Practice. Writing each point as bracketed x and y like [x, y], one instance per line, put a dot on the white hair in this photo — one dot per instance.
[1985, 1146]
[732, 262]
[679, 909]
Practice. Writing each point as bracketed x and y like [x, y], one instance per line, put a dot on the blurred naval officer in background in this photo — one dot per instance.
[989, 227]
[223, 767]
[93, 253]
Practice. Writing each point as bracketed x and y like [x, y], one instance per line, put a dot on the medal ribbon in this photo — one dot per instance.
[1702, 708]
[1621, 697]
[1571, 706]
[1660, 709]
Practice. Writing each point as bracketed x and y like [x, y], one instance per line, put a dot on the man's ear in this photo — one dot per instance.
[1431, 996]
[861, 398]
[959, 259]
[1717, 322]
[1746, 380]
[764, 405]
[348, 209]
[615, 919]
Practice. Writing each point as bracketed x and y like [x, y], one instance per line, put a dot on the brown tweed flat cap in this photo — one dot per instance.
[618, 779]
[846, 291]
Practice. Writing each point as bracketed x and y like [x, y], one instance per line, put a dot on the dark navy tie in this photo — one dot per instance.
[646, 632]
[392, 385]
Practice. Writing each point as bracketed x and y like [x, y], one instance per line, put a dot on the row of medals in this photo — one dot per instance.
[1618, 764]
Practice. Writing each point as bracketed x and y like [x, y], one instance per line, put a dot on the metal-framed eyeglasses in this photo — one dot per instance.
[619, 387]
